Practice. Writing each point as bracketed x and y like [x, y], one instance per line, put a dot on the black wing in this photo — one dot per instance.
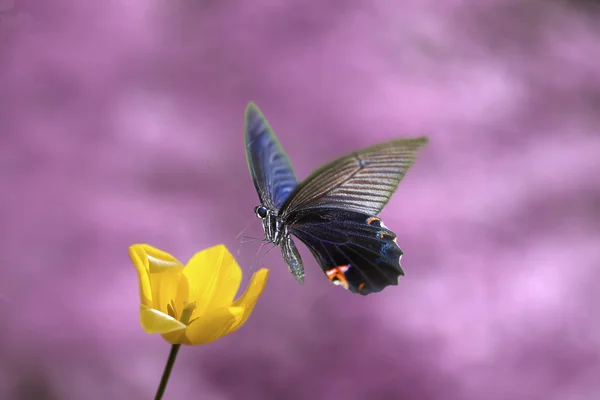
[362, 181]
[270, 167]
[355, 250]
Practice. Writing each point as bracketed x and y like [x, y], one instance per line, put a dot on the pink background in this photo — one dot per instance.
[121, 122]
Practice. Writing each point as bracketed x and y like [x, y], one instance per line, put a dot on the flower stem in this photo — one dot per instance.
[167, 372]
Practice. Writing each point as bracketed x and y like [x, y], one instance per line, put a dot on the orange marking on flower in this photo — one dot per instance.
[337, 275]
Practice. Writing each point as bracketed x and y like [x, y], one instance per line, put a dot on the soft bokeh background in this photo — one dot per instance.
[121, 122]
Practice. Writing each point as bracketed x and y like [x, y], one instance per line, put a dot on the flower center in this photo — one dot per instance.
[188, 309]
[186, 313]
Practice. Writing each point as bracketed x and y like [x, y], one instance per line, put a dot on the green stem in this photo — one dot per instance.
[167, 372]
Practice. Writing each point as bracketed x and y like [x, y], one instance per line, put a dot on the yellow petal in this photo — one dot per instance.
[140, 262]
[247, 301]
[154, 321]
[176, 337]
[213, 277]
[212, 325]
[159, 261]
[164, 275]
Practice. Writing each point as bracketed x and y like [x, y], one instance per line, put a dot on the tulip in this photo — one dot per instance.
[192, 304]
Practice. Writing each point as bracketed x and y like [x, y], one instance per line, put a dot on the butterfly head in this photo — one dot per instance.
[261, 211]
[272, 225]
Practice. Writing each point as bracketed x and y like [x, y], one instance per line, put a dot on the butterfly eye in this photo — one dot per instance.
[260, 211]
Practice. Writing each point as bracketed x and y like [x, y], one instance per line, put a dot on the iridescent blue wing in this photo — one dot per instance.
[355, 250]
[361, 181]
[271, 170]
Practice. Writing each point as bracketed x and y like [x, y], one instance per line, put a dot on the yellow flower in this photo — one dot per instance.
[193, 304]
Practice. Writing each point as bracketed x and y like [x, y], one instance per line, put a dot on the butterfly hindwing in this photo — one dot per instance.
[355, 250]
[270, 167]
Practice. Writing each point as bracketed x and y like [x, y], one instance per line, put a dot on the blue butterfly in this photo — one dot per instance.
[334, 211]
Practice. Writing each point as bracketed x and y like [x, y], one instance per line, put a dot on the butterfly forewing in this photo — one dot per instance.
[271, 170]
[361, 181]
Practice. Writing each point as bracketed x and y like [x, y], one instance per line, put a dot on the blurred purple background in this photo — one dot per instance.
[121, 122]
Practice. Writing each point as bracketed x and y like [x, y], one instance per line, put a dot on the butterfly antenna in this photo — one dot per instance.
[251, 239]
[267, 252]
[253, 265]
[257, 259]
[260, 248]
[244, 230]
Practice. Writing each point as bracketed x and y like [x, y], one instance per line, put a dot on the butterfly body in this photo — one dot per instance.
[334, 211]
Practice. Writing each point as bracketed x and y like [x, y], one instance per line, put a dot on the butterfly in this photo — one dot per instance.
[334, 211]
